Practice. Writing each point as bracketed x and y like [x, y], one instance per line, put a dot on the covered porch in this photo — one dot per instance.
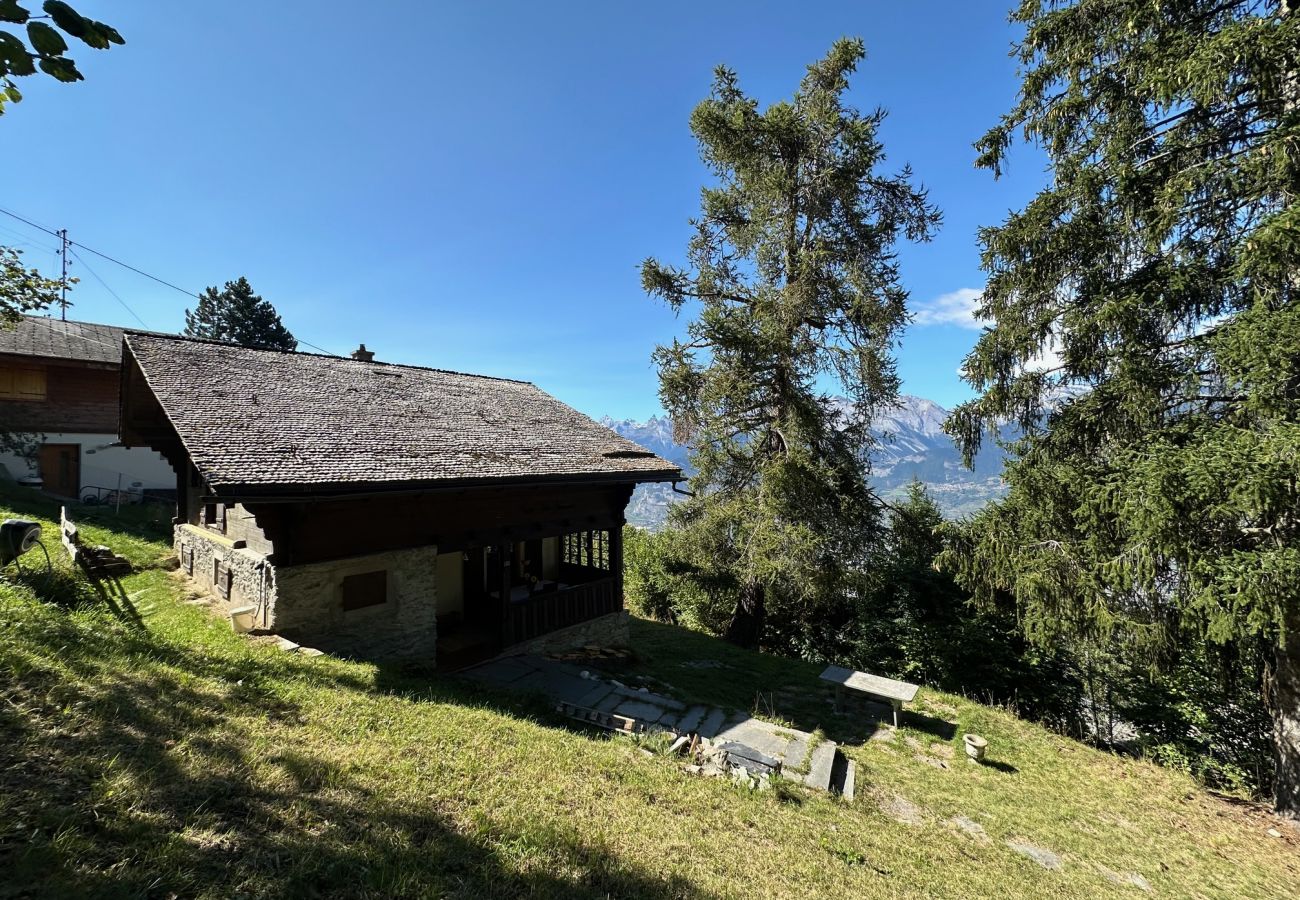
[499, 595]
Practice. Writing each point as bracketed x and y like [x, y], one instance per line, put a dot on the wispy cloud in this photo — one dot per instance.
[954, 308]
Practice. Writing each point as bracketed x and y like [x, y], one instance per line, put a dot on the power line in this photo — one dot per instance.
[109, 289]
[62, 236]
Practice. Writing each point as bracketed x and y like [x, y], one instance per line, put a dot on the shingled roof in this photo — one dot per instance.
[57, 339]
[261, 419]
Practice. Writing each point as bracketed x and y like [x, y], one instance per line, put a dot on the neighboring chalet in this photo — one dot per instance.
[385, 510]
[59, 380]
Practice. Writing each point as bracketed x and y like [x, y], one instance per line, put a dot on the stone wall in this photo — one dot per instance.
[308, 606]
[204, 554]
[305, 603]
[604, 631]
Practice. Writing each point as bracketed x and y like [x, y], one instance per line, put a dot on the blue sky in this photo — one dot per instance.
[473, 186]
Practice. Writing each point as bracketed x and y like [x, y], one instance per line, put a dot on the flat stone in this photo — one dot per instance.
[644, 694]
[821, 766]
[286, 645]
[712, 723]
[1041, 855]
[900, 809]
[610, 702]
[849, 788]
[751, 759]
[691, 719]
[595, 695]
[639, 710]
[310, 651]
[971, 828]
[930, 761]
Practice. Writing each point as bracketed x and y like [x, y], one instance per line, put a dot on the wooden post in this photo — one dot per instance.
[503, 579]
[616, 563]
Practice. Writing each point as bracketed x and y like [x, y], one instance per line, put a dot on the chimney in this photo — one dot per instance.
[363, 355]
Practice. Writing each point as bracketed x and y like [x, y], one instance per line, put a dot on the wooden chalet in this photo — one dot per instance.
[59, 380]
[385, 510]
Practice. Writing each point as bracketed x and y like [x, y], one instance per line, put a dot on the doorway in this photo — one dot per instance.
[61, 469]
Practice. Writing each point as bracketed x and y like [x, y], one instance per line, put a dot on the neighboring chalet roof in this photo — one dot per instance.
[57, 339]
[264, 422]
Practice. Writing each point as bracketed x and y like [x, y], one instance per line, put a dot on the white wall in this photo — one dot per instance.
[101, 464]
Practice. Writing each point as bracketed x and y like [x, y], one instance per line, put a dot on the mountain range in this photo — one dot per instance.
[911, 445]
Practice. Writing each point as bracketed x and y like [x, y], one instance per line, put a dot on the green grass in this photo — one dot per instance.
[151, 752]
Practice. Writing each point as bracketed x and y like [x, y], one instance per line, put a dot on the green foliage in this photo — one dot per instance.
[236, 315]
[1145, 316]
[45, 47]
[793, 283]
[23, 290]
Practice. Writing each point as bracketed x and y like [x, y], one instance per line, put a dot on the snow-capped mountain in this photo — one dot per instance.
[912, 444]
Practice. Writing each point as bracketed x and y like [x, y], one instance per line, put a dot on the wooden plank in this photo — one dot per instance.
[871, 684]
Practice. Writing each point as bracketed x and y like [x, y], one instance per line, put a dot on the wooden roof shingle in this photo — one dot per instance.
[58, 339]
[264, 419]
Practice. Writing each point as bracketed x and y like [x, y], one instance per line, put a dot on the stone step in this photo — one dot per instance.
[821, 767]
[691, 719]
[845, 780]
[712, 724]
[610, 702]
[598, 693]
[649, 697]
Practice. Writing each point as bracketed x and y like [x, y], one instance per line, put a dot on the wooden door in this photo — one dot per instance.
[61, 469]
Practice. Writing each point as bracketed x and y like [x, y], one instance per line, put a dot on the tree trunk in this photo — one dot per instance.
[746, 626]
[1285, 706]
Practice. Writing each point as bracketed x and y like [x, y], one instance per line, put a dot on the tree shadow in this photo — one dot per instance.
[136, 766]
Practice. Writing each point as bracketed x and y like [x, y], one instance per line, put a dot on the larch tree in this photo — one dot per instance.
[236, 315]
[793, 288]
[1144, 316]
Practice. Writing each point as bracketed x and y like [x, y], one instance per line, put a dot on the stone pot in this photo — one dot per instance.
[242, 618]
[976, 747]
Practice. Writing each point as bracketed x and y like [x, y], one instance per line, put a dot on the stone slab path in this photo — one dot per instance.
[802, 756]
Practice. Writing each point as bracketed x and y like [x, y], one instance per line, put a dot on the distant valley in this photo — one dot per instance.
[912, 445]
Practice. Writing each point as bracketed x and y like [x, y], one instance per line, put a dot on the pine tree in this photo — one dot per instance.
[236, 315]
[1145, 315]
[795, 288]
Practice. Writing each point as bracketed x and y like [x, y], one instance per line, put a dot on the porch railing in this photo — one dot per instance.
[543, 613]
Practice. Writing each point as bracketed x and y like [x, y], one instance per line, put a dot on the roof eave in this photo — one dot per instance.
[311, 491]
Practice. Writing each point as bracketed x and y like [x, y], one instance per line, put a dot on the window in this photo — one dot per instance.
[22, 384]
[586, 548]
[214, 516]
[221, 577]
[366, 589]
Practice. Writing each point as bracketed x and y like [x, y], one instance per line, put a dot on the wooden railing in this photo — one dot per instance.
[543, 613]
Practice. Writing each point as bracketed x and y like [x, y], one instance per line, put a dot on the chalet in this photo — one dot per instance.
[59, 380]
[384, 510]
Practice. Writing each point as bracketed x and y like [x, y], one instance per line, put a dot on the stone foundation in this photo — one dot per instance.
[308, 606]
[604, 631]
[305, 603]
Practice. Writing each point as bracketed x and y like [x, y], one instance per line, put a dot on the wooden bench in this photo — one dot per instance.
[895, 693]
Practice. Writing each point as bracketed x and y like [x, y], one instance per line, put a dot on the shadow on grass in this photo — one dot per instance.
[134, 765]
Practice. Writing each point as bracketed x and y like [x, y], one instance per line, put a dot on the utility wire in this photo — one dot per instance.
[125, 306]
[118, 262]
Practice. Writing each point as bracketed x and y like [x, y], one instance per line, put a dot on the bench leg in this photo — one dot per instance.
[898, 707]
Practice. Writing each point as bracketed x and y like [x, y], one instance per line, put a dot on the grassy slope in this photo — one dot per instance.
[167, 756]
